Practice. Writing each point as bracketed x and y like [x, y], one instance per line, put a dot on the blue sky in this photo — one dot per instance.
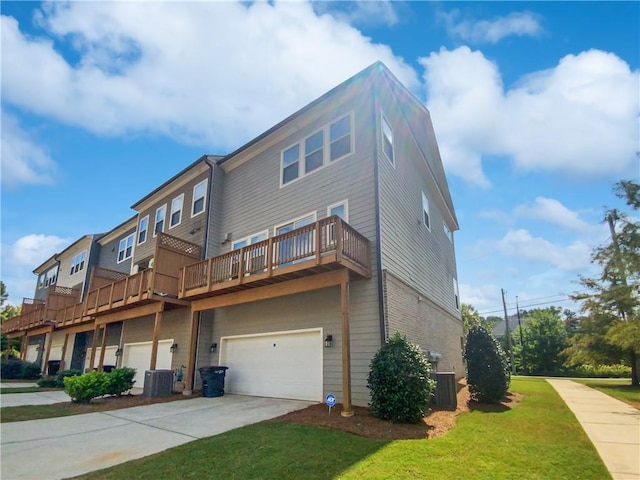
[535, 106]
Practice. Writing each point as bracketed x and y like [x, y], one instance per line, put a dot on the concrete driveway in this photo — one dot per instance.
[69, 446]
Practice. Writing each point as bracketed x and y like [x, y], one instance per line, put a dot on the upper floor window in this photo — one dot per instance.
[143, 229]
[387, 140]
[77, 262]
[125, 249]
[340, 209]
[250, 240]
[332, 142]
[161, 213]
[51, 276]
[456, 297]
[199, 195]
[176, 211]
[448, 232]
[425, 211]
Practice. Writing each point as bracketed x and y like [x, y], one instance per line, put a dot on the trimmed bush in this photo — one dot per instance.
[487, 367]
[48, 382]
[120, 381]
[400, 382]
[14, 368]
[86, 387]
[57, 381]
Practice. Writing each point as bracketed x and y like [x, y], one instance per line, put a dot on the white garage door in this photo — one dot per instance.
[110, 357]
[32, 353]
[277, 364]
[138, 356]
[56, 352]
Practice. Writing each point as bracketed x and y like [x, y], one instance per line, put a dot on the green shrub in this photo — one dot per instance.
[86, 387]
[487, 367]
[598, 371]
[14, 368]
[62, 374]
[120, 381]
[48, 382]
[400, 383]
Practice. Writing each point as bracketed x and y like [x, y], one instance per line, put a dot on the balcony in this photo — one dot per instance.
[325, 245]
[36, 313]
[111, 291]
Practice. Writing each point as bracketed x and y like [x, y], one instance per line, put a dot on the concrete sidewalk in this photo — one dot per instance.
[34, 398]
[612, 426]
[70, 446]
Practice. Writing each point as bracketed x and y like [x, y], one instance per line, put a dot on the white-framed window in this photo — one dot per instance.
[199, 198]
[332, 142]
[51, 276]
[41, 280]
[300, 245]
[77, 262]
[250, 240]
[456, 297]
[426, 219]
[176, 211]
[340, 209]
[387, 141]
[125, 248]
[448, 232]
[158, 225]
[143, 229]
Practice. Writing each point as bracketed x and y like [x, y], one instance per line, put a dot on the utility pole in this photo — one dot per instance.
[522, 347]
[508, 333]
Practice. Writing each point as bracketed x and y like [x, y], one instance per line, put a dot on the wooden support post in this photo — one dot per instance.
[47, 350]
[103, 347]
[193, 342]
[64, 351]
[316, 247]
[154, 344]
[270, 257]
[92, 360]
[23, 347]
[347, 410]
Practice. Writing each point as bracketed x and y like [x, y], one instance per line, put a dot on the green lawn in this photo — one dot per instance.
[8, 390]
[538, 439]
[619, 388]
[34, 412]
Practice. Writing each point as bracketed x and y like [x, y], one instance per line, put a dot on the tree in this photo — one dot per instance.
[612, 303]
[487, 366]
[471, 318]
[544, 338]
[3, 293]
[7, 345]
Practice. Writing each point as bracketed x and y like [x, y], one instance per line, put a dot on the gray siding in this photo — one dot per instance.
[423, 258]
[216, 193]
[108, 257]
[187, 224]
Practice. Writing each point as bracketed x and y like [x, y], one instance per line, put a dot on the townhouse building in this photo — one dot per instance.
[290, 260]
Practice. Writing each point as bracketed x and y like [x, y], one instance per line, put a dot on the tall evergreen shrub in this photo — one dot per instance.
[487, 367]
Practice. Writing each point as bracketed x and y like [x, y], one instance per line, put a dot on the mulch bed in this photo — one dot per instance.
[438, 422]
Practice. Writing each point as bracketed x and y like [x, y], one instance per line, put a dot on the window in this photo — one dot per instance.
[448, 232]
[425, 211]
[142, 230]
[250, 240]
[77, 262]
[176, 211]
[456, 298]
[51, 276]
[125, 248]
[336, 135]
[299, 246]
[199, 194]
[339, 209]
[387, 140]
[161, 213]
[41, 280]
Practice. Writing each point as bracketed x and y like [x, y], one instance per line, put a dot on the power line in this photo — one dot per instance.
[529, 305]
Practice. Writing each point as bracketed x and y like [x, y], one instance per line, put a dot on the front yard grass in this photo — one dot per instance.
[619, 388]
[8, 390]
[538, 439]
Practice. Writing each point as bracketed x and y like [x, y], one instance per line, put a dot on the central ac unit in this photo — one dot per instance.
[158, 383]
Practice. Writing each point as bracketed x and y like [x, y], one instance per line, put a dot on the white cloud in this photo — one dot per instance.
[20, 258]
[200, 72]
[580, 117]
[552, 211]
[492, 31]
[480, 296]
[367, 12]
[23, 160]
[520, 244]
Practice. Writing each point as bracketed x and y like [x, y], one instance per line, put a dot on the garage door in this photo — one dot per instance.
[56, 352]
[138, 356]
[277, 364]
[110, 357]
[32, 353]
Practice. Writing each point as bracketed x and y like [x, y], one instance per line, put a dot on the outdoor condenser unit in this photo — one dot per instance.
[446, 389]
[158, 383]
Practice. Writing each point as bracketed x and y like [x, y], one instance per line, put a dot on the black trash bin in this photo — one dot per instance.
[213, 381]
[108, 368]
[53, 366]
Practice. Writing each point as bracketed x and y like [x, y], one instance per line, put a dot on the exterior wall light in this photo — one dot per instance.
[119, 352]
[173, 348]
[213, 347]
[328, 340]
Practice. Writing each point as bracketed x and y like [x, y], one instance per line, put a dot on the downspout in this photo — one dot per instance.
[376, 173]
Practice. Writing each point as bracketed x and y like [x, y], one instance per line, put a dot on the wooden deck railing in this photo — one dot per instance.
[268, 257]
